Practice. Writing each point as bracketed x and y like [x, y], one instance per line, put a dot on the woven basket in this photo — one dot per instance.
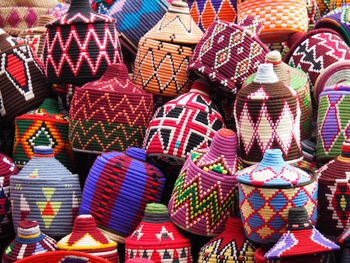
[280, 18]
[266, 193]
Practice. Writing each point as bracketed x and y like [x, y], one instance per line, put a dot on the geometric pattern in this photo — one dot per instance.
[160, 67]
[171, 255]
[196, 199]
[316, 51]
[48, 209]
[264, 211]
[205, 12]
[194, 114]
[333, 123]
[219, 251]
[213, 56]
[80, 53]
[292, 17]
[102, 6]
[264, 122]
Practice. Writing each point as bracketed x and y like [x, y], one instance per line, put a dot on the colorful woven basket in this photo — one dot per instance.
[231, 246]
[336, 73]
[157, 239]
[328, 5]
[334, 194]
[86, 237]
[43, 126]
[59, 10]
[279, 18]
[302, 241]
[63, 257]
[18, 15]
[165, 51]
[266, 193]
[316, 50]
[343, 240]
[45, 191]
[110, 114]
[296, 79]
[313, 12]
[7, 169]
[80, 45]
[102, 6]
[333, 119]
[205, 12]
[205, 193]
[117, 190]
[135, 18]
[22, 84]
[29, 241]
[228, 53]
[267, 115]
[35, 36]
[183, 124]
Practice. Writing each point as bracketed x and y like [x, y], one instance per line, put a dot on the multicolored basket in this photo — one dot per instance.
[35, 36]
[80, 45]
[45, 191]
[86, 237]
[59, 10]
[333, 121]
[267, 115]
[43, 126]
[29, 241]
[117, 190]
[18, 15]
[228, 53]
[328, 5]
[279, 18]
[315, 51]
[343, 240]
[302, 241]
[296, 79]
[205, 12]
[7, 169]
[165, 51]
[157, 239]
[266, 193]
[135, 18]
[334, 194]
[313, 12]
[205, 193]
[63, 257]
[183, 124]
[231, 246]
[22, 84]
[102, 6]
[110, 114]
[336, 73]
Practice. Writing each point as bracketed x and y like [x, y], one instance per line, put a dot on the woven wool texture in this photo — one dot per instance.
[28, 241]
[267, 115]
[7, 169]
[213, 56]
[102, 6]
[80, 45]
[205, 12]
[86, 237]
[315, 51]
[332, 121]
[266, 193]
[313, 12]
[45, 191]
[110, 114]
[334, 194]
[343, 240]
[117, 190]
[157, 239]
[35, 36]
[230, 246]
[296, 79]
[300, 239]
[328, 5]
[165, 51]
[22, 84]
[183, 124]
[205, 193]
[279, 18]
[43, 126]
[135, 18]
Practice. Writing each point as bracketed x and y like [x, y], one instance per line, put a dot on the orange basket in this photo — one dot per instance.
[280, 18]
